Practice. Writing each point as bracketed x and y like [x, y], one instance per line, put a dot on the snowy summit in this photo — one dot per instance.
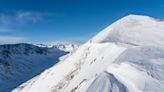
[127, 56]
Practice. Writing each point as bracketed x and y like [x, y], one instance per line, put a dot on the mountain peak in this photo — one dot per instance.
[131, 30]
[110, 62]
[140, 18]
[134, 15]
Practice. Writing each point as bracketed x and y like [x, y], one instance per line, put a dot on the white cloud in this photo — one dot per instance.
[11, 23]
[12, 20]
[11, 39]
[19, 18]
[28, 16]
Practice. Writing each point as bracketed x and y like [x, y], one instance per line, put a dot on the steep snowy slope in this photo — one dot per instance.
[128, 56]
[20, 62]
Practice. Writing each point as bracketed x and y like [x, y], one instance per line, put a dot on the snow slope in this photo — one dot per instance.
[139, 69]
[21, 62]
[128, 56]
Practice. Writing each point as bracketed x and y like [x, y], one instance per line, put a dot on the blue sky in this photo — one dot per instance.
[37, 21]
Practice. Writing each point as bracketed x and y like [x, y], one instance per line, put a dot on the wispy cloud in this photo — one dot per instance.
[23, 18]
[19, 17]
[10, 23]
[11, 39]
[26, 17]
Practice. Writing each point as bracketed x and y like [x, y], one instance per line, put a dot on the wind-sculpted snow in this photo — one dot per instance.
[148, 58]
[106, 82]
[128, 56]
[140, 69]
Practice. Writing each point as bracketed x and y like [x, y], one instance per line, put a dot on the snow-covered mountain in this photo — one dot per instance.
[127, 56]
[67, 47]
[21, 62]
[71, 48]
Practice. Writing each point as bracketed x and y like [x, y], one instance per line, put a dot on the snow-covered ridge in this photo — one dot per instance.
[127, 56]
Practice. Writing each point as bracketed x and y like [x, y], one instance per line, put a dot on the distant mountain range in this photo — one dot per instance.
[21, 62]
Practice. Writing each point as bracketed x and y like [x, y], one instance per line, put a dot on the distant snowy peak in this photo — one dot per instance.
[133, 30]
[43, 45]
[66, 47]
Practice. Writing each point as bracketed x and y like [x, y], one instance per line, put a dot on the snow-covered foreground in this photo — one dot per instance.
[128, 56]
